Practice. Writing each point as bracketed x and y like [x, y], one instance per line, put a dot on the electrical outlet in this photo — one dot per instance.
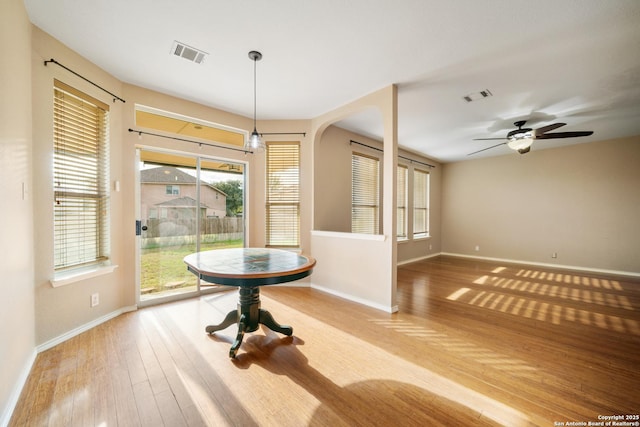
[95, 299]
[554, 255]
[477, 248]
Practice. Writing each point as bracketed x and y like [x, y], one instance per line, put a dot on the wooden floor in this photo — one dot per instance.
[475, 343]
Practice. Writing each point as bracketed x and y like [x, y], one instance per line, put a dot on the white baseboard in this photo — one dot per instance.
[358, 300]
[547, 265]
[10, 405]
[83, 328]
[409, 261]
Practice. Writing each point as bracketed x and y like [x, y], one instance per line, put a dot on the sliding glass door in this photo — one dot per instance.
[186, 204]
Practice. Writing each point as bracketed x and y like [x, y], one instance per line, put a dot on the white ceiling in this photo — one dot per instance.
[545, 61]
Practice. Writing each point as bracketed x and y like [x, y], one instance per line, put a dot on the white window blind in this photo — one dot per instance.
[283, 194]
[420, 203]
[402, 173]
[80, 178]
[365, 194]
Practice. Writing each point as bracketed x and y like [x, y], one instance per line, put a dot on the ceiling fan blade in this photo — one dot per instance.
[564, 135]
[488, 139]
[548, 128]
[485, 149]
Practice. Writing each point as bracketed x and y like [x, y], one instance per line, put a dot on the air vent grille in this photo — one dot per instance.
[187, 52]
[478, 95]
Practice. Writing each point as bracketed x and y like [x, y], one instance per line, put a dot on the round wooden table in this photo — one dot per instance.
[248, 269]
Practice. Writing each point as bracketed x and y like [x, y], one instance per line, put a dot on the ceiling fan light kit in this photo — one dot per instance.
[520, 145]
[520, 139]
[520, 142]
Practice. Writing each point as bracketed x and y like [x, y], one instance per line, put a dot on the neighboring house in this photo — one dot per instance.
[168, 192]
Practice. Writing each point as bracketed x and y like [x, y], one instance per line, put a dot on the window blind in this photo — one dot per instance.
[365, 194]
[401, 202]
[80, 178]
[283, 194]
[420, 202]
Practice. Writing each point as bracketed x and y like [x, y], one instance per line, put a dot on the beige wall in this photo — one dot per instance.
[61, 310]
[332, 169]
[17, 325]
[332, 190]
[580, 201]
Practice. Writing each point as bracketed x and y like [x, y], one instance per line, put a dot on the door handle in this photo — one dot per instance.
[140, 228]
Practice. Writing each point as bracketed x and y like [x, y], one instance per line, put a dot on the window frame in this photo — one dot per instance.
[282, 208]
[172, 190]
[365, 199]
[81, 193]
[420, 194]
[402, 201]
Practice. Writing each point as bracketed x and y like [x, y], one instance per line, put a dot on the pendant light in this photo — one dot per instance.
[254, 142]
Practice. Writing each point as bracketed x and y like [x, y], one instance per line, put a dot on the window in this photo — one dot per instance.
[173, 190]
[365, 194]
[420, 203]
[283, 194]
[80, 178]
[402, 173]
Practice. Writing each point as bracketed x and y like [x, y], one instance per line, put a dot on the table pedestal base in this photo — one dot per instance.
[249, 316]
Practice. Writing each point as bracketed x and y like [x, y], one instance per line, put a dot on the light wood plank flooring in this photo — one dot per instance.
[475, 343]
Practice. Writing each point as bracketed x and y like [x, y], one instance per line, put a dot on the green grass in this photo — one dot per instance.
[162, 265]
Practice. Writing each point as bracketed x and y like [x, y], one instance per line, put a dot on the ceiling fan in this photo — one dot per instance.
[521, 139]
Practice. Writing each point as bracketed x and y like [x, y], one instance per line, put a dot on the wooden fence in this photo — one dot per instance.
[186, 227]
[171, 232]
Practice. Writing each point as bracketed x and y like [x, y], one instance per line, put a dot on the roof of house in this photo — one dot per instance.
[170, 175]
[181, 202]
[166, 175]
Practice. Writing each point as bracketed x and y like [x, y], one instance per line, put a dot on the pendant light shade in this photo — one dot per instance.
[254, 142]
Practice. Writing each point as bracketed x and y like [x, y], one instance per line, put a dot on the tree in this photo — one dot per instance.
[233, 190]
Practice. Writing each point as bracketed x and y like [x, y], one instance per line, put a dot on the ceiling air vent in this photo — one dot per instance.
[479, 95]
[187, 52]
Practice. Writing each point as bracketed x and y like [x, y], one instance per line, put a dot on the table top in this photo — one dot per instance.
[249, 266]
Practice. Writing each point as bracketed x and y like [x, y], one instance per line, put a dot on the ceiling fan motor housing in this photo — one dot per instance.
[520, 133]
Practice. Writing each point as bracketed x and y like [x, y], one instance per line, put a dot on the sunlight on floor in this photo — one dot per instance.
[605, 295]
[571, 279]
[460, 348]
[209, 409]
[371, 366]
[583, 295]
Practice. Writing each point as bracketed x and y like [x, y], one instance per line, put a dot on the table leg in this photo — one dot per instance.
[232, 317]
[236, 344]
[267, 319]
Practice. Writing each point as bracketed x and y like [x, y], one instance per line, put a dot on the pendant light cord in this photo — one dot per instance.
[254, 93]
